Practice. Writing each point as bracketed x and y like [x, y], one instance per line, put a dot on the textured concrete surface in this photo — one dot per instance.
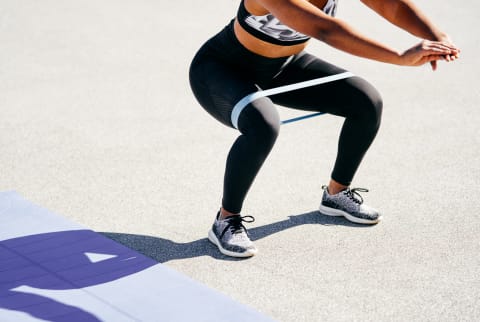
[97, 122]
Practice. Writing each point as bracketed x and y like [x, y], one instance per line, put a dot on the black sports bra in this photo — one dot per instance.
[270, 29]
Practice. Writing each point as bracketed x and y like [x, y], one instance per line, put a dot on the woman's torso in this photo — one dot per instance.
[266, 47]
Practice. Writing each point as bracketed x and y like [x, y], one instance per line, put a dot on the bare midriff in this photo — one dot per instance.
[264, 48]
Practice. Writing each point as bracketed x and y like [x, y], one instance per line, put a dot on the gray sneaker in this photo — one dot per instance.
[349, 204]
[231, 236]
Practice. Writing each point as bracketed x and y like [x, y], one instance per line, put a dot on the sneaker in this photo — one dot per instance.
[231, 236]
[349, 204]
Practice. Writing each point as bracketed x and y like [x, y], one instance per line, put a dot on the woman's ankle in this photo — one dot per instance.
[335, 187]
[225, 213]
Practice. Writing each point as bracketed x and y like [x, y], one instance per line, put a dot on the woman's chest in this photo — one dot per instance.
[256, 9]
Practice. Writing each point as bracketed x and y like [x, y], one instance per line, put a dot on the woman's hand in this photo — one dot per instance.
[430, 51]
[446, 40]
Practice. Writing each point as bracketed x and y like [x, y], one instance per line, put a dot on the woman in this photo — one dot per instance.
[262, 48]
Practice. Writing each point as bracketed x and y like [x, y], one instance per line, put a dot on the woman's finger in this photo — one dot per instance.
[426, 44]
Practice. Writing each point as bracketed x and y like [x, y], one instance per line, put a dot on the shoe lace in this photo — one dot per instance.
[235, 224]
[354, 195]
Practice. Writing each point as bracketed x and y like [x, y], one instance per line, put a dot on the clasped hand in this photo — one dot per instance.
[430, 51]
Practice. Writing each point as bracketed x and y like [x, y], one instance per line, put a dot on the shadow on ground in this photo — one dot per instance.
[164, 250]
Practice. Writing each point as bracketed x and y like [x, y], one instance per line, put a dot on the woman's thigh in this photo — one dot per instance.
[218, 87]
[345, 97]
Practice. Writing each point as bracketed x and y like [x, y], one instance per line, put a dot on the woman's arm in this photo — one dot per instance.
[310, 20]
[404, 14]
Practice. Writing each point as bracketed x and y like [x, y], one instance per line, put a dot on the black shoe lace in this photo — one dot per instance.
[354, 195]
[235, 224]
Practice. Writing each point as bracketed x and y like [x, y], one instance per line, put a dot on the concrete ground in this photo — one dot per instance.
[97, 122]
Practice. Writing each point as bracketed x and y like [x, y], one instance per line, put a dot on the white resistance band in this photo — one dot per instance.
[238, 108]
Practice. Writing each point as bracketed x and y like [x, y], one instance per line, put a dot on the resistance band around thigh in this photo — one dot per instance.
[238, 108]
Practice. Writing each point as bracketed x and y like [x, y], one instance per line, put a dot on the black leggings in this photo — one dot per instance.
[223, 72]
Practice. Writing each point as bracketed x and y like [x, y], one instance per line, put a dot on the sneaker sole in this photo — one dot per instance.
[340, 213]
[214, 240]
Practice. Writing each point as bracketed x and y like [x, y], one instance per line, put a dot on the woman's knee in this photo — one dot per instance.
[375, 108]
[260, 122]
[370, 105]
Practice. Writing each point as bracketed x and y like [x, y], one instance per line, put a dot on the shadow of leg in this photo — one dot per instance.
[43, 308]
[164, 250]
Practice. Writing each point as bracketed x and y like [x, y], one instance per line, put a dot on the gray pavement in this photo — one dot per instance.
[97, 123]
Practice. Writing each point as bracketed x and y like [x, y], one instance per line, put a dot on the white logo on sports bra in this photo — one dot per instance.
[330, 8]
[271, 26]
